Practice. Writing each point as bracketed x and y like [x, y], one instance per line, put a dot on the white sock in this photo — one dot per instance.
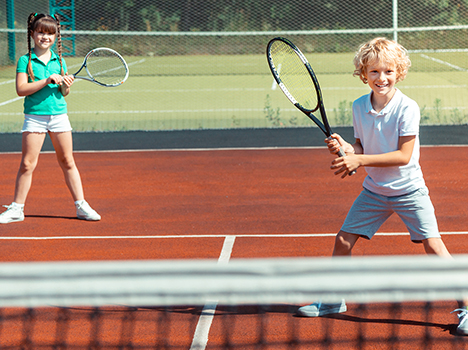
[79, 202]
[17, 205]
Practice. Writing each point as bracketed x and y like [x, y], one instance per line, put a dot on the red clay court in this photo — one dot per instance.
[182, 204]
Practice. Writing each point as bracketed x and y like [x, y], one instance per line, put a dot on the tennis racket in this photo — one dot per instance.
[104, 67]
[297, 80]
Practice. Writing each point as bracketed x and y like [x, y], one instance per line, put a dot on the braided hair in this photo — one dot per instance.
[46, 24]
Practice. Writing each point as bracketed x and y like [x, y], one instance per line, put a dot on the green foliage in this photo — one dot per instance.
[271, 114]
[457, 117]
[425, 115]
[261, 15]
[344, 113]
[438, 113]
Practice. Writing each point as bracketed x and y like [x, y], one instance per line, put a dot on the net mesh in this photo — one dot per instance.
[201, 64]
[295, 79]
[393, 302]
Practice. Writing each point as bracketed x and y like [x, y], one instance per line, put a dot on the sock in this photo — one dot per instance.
[79, 202]
[17, 205]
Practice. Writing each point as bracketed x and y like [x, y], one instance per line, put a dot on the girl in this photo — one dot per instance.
[41, 78]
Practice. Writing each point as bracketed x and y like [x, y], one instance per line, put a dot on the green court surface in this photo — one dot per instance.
[237, 91]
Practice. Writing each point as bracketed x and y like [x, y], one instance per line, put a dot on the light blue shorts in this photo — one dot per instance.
[369, 211]
[46, 123]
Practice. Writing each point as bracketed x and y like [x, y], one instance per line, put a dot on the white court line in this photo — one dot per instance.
[221, 149]
[247, 235]
[445, 63]
[11, 101]
[7, 82]
[192, 111]
[200, 338]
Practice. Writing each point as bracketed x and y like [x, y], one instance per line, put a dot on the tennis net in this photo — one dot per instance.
[393, 303]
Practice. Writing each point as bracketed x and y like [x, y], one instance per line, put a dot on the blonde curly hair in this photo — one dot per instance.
[381, 49]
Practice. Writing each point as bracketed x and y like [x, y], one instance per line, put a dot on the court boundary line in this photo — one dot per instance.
[202, 149]
[202, 330]
[241, 235]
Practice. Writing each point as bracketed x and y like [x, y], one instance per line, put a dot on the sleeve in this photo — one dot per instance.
[356, 119]
[22, 66]
[409, 123]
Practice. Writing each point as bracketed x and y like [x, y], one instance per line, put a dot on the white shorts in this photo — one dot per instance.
[46, 123]
[370, 210]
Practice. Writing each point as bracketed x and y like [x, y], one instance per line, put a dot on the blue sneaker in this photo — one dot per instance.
[462, 321]
[320, 309]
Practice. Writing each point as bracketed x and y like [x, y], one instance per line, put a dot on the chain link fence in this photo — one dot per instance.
[200, 64]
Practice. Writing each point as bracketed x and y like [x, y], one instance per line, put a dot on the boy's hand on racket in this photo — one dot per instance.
[335, 142]
[346, 165]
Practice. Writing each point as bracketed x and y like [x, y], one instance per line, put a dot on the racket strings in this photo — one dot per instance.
[106, 67]
[294, 75]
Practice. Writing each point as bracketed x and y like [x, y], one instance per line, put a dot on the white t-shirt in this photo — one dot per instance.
[379, 133]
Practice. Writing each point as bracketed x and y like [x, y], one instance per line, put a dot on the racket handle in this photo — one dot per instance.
[341, 153]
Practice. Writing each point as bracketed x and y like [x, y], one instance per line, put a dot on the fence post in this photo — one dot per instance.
[11, 25]
[395, 20]
[66, 10]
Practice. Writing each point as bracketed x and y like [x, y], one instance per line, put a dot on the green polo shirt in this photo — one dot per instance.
[49, 100]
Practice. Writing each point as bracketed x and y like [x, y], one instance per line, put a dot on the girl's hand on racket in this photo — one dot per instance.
[68, 80]
[58, 79]
[55, 79]
[65, 82]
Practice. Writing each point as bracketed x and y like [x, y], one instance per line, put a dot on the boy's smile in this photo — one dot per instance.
[381, 78]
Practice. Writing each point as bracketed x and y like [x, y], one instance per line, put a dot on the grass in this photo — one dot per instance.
[207, 91]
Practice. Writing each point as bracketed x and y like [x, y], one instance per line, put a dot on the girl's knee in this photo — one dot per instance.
[27, 166]
[66, 162]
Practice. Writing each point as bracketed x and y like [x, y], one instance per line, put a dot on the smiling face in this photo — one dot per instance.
[44, 32]
[381, 50]
[42, 40]
[381, 77]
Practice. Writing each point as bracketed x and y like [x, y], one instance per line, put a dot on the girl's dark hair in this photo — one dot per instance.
[46, 24]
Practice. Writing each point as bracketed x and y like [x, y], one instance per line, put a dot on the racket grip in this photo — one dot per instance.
[341, 153]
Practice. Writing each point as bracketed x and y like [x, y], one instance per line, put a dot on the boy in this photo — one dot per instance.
[386, 129]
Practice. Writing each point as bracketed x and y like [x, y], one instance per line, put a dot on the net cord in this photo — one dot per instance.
[249, 281]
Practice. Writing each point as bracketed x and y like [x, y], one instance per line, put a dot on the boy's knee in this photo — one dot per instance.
[436, 246]
[344, 243]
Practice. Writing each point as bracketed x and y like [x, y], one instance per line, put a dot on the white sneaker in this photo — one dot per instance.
[85, 212]
[462, 321]
[14, 213]
[320, 309]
